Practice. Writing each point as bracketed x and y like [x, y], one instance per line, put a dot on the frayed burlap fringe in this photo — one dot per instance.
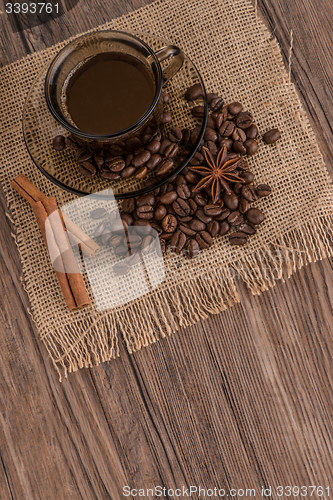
[88, 343]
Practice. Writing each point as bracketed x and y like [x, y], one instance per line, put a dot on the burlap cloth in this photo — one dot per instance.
[237, 58]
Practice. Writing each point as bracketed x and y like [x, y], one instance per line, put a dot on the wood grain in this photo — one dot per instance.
[242, 400]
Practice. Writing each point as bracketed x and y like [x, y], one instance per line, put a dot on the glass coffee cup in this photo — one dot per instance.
[119, 111]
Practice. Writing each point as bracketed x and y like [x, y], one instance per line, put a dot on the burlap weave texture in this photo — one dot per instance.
[238, 59]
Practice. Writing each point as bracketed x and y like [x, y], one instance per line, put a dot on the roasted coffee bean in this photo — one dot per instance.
[237, 187]
[244, 120]
[148, 244]
[116, 165]
[98, 213]
[171, 151]
[230, 200]
[197, 159]
[251, 146]
[183, 191]
[133, 259]
[200, 199]
[141, 172]
[164, 144]
[204, 239]
[244, 205]
[169, 223]
[165, 97]
[238, 238]
[252, 131]
[127, 219]
[184, 228]
[154, 161]
[99, 161]
[141, 158]
[142, 227]
[247, 228]
[224, 215]
[210, 122]
[255, 216]
[210, 134]
[181, 207]
[58, 143]
[212, 210]
[235, 107]
[210, 96]
[170, 210]
[243, 165]
[179, 180]
[192, 249]
[238, 135]
[212, 148]
[247, 176]
[145, 212]
[168, 198]
[192, 177]
[111, 176]
[146, 199]
[271, 136]
[122, 250]
[218, 121]
[197, 225]
[71, 143]
[195, 135]
[166, 117]
[133, 144]
[224, 228]
[106, 236]
[128, 159]
[99, 229]
[239, 148]
[186, 136]
[178, 241]
[115, 240]
[166, 236]
[175, 134]
[160, 212]
[216, 103]
[87, 172]
[82, 155]
[193, 206]
[227, 128]
[201, 215]
[249, 193]
[227, 142]
[263, 190]
[194, 92]
[153, 147]
[213, 228]
[128, 172]
[116, 150]
[235, 218]
[198, 111]
[157, 228]
[121, 268]
[145, 139]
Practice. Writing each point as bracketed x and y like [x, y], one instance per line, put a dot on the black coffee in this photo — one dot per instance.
[109, 93]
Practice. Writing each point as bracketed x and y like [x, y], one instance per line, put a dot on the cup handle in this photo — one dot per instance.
[177, 60]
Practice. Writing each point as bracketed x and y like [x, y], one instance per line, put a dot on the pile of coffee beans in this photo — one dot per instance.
[135, 158]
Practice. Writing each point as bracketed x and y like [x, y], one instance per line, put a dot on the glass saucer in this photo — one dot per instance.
[60, 167]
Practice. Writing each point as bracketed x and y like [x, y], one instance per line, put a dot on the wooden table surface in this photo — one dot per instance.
[242, 400]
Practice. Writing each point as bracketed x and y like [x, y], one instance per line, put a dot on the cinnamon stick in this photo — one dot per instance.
[32, 194]
[41, 216]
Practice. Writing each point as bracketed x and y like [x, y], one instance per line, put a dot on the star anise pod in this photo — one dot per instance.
[217, 173]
